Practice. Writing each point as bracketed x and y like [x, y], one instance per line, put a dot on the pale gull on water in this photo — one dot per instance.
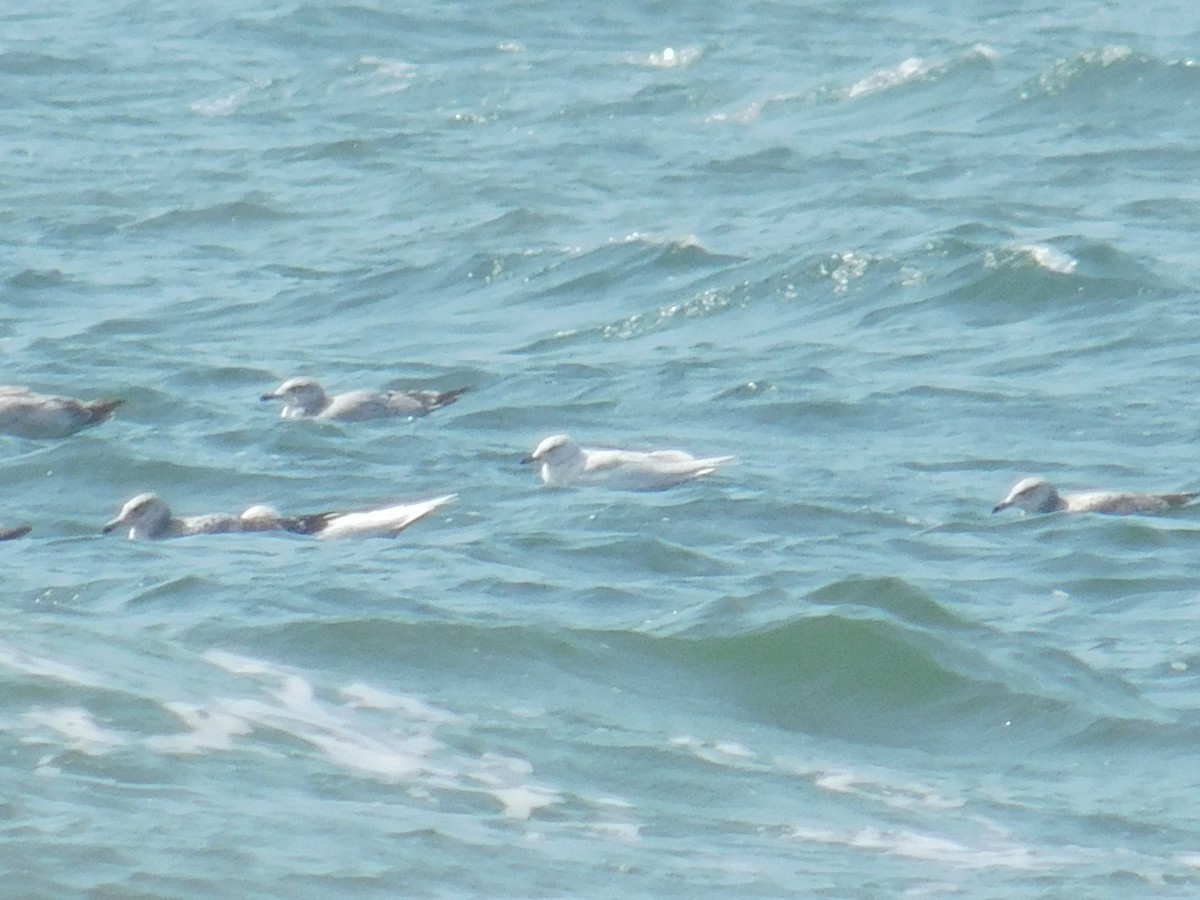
[303, 398]
[148, 517]
[562, 463]
[1036, 495]
[27, 414]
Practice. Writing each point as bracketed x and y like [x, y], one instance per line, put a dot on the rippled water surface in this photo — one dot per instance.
[892, 257]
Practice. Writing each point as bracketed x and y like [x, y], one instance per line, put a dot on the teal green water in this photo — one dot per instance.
[892, 257]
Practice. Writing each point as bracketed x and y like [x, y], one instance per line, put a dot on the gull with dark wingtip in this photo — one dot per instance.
[148, 517]
[25, 413]
[1036, 495]
[304, 398]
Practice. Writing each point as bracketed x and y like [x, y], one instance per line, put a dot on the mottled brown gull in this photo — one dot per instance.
[1036, 495]
[304, 398]
[27, 414]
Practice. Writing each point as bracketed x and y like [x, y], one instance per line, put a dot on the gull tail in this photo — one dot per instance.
[1173, 500]
[101, 410]
[708, 466]
[386, 522]
[432, 400]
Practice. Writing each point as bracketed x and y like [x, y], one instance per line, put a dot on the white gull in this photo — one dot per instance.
[562, 463]
[1036, 495]
[303, 398]
[27, 414]
[148, 517]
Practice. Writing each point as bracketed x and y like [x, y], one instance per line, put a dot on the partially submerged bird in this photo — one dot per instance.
[17, 531]
[303, 398]
[25, 413]
[148, 517]
[386, 522]
[1036, 495]
[562, 462]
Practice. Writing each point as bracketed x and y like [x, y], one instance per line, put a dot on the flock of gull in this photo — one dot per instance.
[559, 460]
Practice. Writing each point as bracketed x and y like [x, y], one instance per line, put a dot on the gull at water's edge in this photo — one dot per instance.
[28, 414]
[562, 463]
[148, 517]
[304, 398]
[1036, 495]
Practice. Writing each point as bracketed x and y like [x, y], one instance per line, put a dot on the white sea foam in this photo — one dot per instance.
[667, 58]
[296, 694]
[874, 785]
[226, 105]
[82, 733]
[1064, 71]
[843, 268]
[522, 800]
[629, 832]
[28, 664]
[916, 845]
[743, 115]
[209, 729]
[357, 737]
[718, 753]
[393, 68]
[359, 752]
[1050, 259]
[1041, 255]
[240, 665]
[506, 779]
[912, 68]
[1046, 257]
[361, 696]
[398, 75]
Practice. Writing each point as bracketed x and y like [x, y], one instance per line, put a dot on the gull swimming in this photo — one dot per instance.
[148, 517]
[27, 414]
[563, 463]
[17, 531]
[386, 522]
[303, 398]
[1036, 495]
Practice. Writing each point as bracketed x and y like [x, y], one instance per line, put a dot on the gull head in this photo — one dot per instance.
[1032, 495]
[300, 396]
[559, 460]
[146, 515]
[557, 448]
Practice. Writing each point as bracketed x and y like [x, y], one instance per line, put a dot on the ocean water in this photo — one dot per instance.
[891, 256]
